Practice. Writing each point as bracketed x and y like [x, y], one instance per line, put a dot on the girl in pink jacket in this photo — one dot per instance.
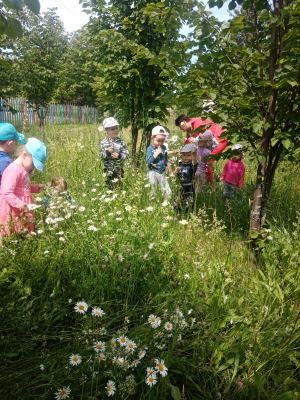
[233, 172]
[15, 194]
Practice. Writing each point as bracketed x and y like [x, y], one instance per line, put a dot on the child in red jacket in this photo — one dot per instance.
[233, 172]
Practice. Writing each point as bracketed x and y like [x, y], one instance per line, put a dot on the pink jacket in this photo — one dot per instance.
[15, 193]
[234, 172]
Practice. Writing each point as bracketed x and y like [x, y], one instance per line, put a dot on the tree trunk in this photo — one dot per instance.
[42, 126]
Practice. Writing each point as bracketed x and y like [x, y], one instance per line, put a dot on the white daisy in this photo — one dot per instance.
[183, 222]
[128, 208]
[40, 231]
[115, 180]
[154, 321]
[94, 190]
[165, 203]
[150, 246]
[81, 307]
[110, 214]
[60, 233]
[118, 219]
[123, 340]
[119, 212]
[135, 363]
[161, 368]
[62, 239]
[63, 393]
[174, 139]
[168, 326]
[147, 185]
[131, 346]
[187, 276]
[38, 199]
[151, 380]
[97, 312]
[75, 359]
[164, 225]
[113, 344]
[81, 209]
[46, 252]
[150, 372]
[101, 357]
[126, 319]
[111, 388]
[142, 354]
[42, 367]
[182, 323]
[99, 347]
[118, 361]
[149, 209]
[49, 220]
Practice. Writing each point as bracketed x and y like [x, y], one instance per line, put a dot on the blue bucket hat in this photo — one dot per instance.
[38, 151]
[8, 132]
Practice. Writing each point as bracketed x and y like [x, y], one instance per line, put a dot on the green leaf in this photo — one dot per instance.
[226, 365]
[33, 5]
[5, 64]
[292, 83]
[13, 28]
[212, 95]
[286, 143]
[17, 4]
[232, 5]
[11, 354]
[175, 392]
[285, 396]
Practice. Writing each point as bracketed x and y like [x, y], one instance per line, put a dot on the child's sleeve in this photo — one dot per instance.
[241, 177]
[149, 156]
[223, 176]
[35, 188]
[10, 181]
[124, 153]
[103, 150]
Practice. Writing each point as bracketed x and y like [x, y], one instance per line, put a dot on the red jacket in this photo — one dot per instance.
[234, 172]
[198, 122]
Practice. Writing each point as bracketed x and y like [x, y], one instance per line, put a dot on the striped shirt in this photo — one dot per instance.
[120, 147]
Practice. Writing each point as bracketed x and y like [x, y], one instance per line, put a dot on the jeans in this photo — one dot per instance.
[229, 190]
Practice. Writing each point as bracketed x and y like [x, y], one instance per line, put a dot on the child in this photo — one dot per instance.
[58, 186]
[15, 195]
[186, 173]
[233, 172]
[204, 141]
[157, 161]
[8, 138]
[114, 152]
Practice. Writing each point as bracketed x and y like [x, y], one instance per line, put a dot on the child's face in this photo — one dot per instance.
[27, 161]
[185, 126]
[187, 157]
[158, 140]
[9, 146]
[112, 132]
[237, 157]
[204, 144]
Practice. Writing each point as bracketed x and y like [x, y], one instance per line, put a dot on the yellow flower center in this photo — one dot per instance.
[141, 353]
[161, 367]
[81, 307]
[151, 379]
[117, 360]
[153, 319]
[97, 312]
[99, 346]
[108, 388]
[123, 340]
[112, 344]
[63, 392]
[131, 346]
[168, 326]
[75, 359]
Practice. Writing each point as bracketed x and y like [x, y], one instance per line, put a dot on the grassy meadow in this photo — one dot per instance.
[200, 317]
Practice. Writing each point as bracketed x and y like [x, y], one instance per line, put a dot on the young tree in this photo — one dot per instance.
[126, 44]
[38, 60]
[76, 73]
[250, 67]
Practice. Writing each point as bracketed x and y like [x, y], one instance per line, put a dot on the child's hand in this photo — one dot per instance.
[194, 150]
[191, 139]
[176, 171]
[110, 149]
[158, 152]
[41, 187]
[115, 155]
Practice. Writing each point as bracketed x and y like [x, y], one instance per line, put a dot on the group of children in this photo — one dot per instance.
[193, 171]
[16, 203]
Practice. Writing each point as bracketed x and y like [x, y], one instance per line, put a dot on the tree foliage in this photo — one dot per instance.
[250, 67]
[128, 40]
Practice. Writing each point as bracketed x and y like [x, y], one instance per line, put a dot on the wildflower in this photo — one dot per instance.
[270, 237]
[130, 346]
[46, 252]
[161, 368]
[141, 211]
[119, 212]
[40, 231]
[38, 199]
[128, 208]
[120, 258]
[81, 307]
[113, 344]
[135, 363]
[83, 183]
[42, 367]
[150, 372]
[187, 276]
[240, 385]
[94, 190]
[154, 321]
[165, 203]
[150, 246]
[60, 233]
[190, 311]
[63, 393]
[225, 299]
[123, 340]
[49, 220]
[111, 388]
[183, 222]
[147, 185]
[168, 326]
[174, 139]
[149, 209]
[97, 312]
[182, 323]
[62, 239]
[110, 214]
[118, 219]
[81, 209]
[92, 228]
[126, 319]
[164, 225]
[142, 354]
[145, 256]
[70, 301]
[104, 223]
[99, 346]
[101, 357]
[75, 359]
[83, 194]
[115, 180]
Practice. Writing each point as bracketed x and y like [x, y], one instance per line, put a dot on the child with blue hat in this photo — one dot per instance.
[16, 190]
[8, 138]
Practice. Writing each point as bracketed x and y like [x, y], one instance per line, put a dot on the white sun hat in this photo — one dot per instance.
[110, 122]
[157, 131]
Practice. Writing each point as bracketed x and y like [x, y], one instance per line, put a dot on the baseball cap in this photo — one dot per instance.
[109, 122]
[9, 132]
[237, 147]
[204, 137]
[156, 131]
[188, 148]
[38, 151]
